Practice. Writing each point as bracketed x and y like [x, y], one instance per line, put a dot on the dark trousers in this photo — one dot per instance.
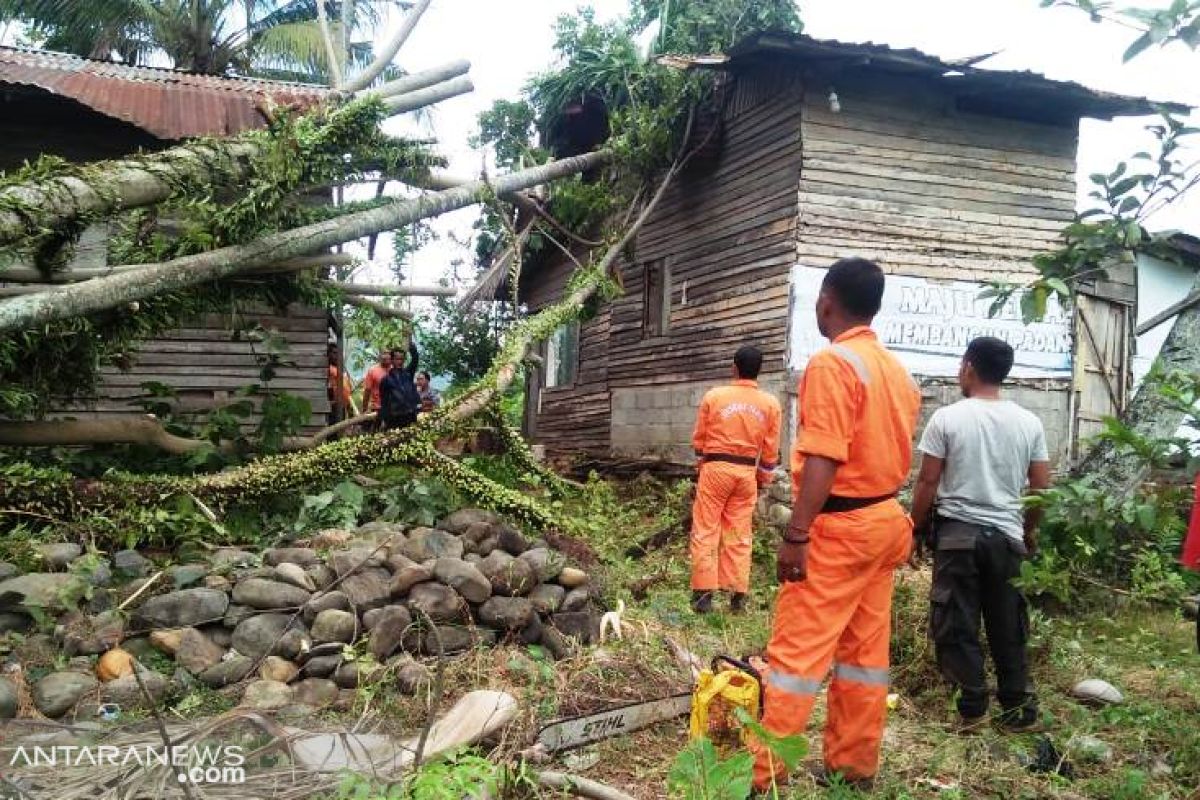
[973, 568]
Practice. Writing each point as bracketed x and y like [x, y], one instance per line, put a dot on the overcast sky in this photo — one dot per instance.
[509, 40]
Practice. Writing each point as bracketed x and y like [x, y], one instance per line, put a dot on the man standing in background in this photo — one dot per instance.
[399, 401]
[978, 456]
[374, 377]
[737, 443]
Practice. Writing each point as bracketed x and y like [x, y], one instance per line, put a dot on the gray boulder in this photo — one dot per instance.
[355, 559]
[58, 556]
[511, 541]
[509, 576]
[576, 600]
[321, 576]
[8, 699]
[463, 578]
[269, 634]
[8, 570]
[333, 625]
[389, 631]
[279, 669]
[235, 615]
[439, 602]
[233, 669]
[317, 692]
[425, 544]
[196, 652]
[329, 600]
[320, 666]
[506, 613]
[185, 576]
[302, 556]
[13, 621]
[126, 692]
[458, 521]
[407, 575]
[547, 598]
[131, 564]
[184, 609]
[226, 558]
[451, 638]
[48, 591]
[58, 692]
[583, 626]
[368, 588]
[545, 562]
[91, 636]
[411, 675]
[294, 575]
[267, 695]
[266, 595]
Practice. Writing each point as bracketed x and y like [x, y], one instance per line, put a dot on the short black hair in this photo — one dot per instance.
[425, 375]
[748, 360]
[394, 352]
[992, 359]
[857, 284]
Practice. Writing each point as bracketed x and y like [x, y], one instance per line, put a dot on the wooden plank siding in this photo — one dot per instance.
[726, 232]
[206, 365]
[900, 177]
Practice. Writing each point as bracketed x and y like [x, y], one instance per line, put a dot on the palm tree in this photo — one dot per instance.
[260, 38]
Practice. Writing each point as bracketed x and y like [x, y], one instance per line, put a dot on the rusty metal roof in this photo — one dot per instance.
[164, 102]
[1002, 90]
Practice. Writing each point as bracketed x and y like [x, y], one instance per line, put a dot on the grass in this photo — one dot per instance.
[1147, 652]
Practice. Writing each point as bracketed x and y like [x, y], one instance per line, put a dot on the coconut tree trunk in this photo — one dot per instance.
[1149, 414]
[135, 284]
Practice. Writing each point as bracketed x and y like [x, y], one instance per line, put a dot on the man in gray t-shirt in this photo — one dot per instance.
[979, 455]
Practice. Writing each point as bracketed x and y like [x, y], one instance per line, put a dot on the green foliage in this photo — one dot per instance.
[1111, 231]
[1178, 22]
[700, 773]
[411, 498]
[508, 127]
[338, 507]
[704, 26]
[462, 344]
[460, 774]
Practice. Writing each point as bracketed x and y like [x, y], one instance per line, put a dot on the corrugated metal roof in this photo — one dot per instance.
[1025, 90]
[166, 103]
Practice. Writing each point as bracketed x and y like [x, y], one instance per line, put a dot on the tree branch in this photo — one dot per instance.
[145, 430]
[391, 291]
[418, 80]
[428, 97]
[134, 284]
[335, 61]
[382, 309]
[389, 51]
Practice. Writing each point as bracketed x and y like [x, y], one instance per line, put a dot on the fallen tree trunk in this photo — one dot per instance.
[145, 430]
[392, 291]
[382, 309]
[135, 284]
[59, 202]
[419, 80]
[422, 98]
[1150, 414]
[34, 276]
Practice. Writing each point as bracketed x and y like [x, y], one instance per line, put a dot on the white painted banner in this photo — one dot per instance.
[928, 324]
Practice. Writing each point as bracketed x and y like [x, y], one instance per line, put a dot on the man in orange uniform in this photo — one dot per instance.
[374, 377]
[737, 443]
[858, 412]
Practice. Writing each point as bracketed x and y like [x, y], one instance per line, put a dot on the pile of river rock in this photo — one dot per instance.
[294, 625]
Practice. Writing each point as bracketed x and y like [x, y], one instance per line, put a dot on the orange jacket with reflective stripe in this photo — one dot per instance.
[739, 420]
[859, 407]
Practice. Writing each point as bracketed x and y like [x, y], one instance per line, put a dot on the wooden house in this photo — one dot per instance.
[84, 110]
[949, 176]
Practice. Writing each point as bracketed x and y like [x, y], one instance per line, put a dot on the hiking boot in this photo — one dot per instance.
[702, 602]
[826, 778]
[1020, 721]
[971, 726]
[737, 603]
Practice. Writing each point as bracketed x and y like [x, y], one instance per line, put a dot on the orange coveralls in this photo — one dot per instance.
[858, 407]
[374, 377]
[742, 421]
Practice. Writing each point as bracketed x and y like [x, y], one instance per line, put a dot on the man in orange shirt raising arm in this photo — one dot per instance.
[848, 533]
[737, 443]
[374, 377]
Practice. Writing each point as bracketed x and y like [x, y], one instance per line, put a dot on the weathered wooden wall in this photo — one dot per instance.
[901, 177]
[206, 365]
[727, 231]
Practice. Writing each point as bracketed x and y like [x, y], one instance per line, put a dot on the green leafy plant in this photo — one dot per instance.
[338, 507]
[700, 773]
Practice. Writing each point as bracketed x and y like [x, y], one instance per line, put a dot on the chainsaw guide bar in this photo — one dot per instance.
[578, 731]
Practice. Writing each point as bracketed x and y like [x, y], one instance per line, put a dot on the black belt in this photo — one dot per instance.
[749, 461]
[836, 504]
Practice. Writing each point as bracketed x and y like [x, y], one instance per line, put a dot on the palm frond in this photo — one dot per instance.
[293, 47]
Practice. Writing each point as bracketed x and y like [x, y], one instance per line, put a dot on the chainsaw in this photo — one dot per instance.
[566, 734]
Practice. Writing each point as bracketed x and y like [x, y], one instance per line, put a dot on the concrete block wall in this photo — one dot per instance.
[1048, 399]
[657, 421]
